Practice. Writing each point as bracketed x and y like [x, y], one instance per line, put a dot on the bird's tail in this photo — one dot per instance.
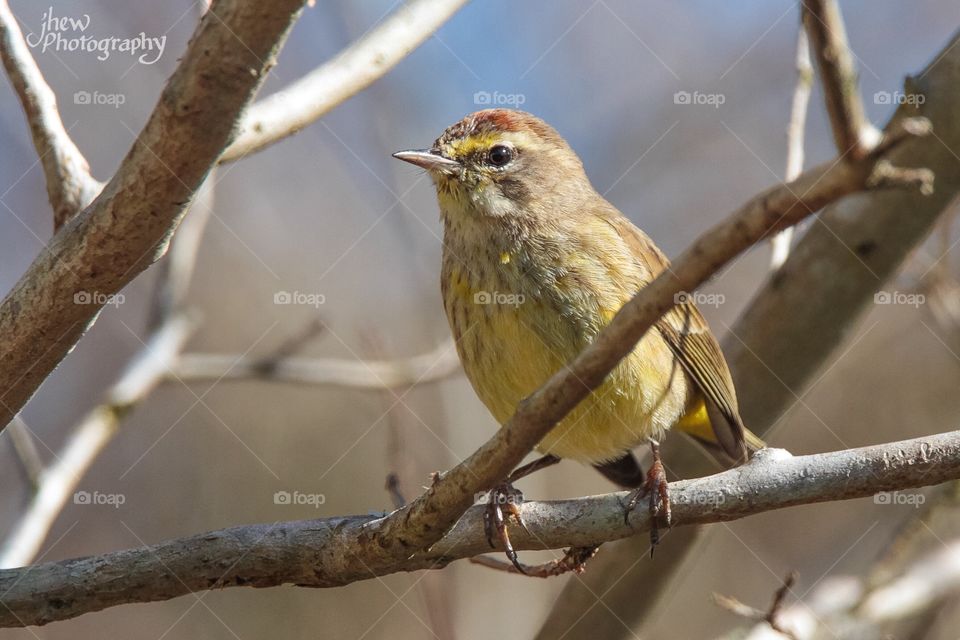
[697, 426]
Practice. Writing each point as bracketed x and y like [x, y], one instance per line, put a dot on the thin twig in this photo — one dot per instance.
[26, 450]
[176, 271]
[266, 366]
[573, 560]
[70, 187]
[771, 616]
[354, 69]
[852, 132]
[436, 364]
[798, 119]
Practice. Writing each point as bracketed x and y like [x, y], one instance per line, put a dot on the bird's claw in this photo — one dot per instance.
[504, 504]
[657, 491]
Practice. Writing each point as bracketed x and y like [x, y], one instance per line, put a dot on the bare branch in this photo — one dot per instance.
[852, 132]
[436, 364]
[771, 616]
[70, 187]
[336, 551]
[176, 273]
[26, 450]
[58, 482]
[129, 224]
[354, 69]
[798, 120]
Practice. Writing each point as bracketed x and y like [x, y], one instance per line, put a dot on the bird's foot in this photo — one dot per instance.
[657, 492]
[504, 503]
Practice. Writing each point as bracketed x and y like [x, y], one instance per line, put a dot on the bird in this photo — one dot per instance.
[535, 263]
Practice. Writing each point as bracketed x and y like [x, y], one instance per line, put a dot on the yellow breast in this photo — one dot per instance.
[517, 322]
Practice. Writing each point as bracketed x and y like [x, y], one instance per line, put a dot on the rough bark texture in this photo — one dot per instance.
[129, 224]
[337, 551]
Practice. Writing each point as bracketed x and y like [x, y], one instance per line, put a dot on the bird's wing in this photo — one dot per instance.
[687, 333]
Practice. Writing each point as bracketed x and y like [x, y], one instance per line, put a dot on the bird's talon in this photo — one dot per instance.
[504, 504]
[656, 489]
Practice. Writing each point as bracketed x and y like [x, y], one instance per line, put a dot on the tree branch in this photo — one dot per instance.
[795, 129]
[70, 187]
[354, 69]
[436, 364]
[328, 553]
[130, 223]
[852, 132]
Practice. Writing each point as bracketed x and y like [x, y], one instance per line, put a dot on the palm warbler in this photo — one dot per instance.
[535, 264]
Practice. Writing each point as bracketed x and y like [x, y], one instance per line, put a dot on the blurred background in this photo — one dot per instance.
[329, 213]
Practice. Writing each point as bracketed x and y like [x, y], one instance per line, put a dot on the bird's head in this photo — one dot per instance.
[501, 162]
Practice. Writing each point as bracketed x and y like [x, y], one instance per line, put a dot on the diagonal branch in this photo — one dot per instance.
[289, 110]
[128, 226]
[327, 553]
[70, 187]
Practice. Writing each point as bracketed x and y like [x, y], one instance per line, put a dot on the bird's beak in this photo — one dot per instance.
[428, 160]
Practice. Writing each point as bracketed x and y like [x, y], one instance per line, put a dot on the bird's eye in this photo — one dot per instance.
[500, 155]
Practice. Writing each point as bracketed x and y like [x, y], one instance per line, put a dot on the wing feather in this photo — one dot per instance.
[686, 331]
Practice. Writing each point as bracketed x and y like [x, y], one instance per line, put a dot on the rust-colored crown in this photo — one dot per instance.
[499, 120]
